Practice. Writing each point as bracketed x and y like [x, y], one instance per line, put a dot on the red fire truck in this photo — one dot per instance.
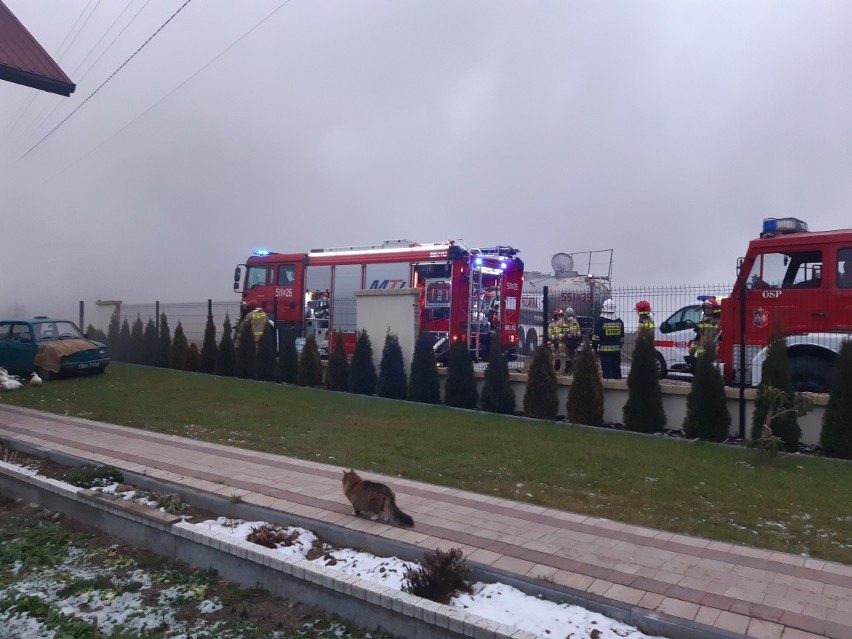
[466, 293]
[797, 282]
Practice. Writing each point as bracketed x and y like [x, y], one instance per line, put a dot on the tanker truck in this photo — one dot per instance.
[567, 286]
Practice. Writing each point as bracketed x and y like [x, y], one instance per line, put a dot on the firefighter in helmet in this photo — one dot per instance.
[572, 336]
[554, 336]
[256, 319]
[607, 340]
[646, 318]
[707, 329]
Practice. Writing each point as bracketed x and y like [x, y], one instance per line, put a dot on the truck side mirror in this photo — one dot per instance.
[238, 275]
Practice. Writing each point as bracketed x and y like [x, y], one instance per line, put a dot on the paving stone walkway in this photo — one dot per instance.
[752, 592]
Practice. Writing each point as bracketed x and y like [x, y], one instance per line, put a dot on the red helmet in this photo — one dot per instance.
[557, 312]
[643, 307]
[713, 303]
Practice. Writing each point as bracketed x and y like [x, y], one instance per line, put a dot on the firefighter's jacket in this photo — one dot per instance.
[646, 323]
[608, 335]
[555, 331]
[572, 334]
[706, 331]
[258, 319]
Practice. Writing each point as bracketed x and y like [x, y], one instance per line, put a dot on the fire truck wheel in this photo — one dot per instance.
[662, 371]
[810, 374]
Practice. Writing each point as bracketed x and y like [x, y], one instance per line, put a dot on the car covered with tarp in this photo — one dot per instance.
[50, 347]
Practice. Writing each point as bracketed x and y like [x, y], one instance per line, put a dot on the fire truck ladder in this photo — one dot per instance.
[475, 290]
[473, 318]
[505, 251]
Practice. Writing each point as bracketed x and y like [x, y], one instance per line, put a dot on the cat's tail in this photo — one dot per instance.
[400, 517]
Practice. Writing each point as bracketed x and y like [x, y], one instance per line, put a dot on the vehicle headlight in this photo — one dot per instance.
[102, 351]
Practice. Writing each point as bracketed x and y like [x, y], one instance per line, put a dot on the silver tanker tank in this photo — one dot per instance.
[566, 287]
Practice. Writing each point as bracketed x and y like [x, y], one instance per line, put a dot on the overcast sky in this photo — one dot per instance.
[665, 131]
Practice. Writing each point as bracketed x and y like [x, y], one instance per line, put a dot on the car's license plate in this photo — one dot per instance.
[89, 365]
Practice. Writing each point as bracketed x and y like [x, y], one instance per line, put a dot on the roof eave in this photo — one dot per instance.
[36, 81]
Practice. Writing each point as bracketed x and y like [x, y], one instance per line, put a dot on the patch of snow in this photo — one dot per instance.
[494, 601]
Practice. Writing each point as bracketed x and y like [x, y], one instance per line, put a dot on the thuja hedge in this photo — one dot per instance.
[239, 353]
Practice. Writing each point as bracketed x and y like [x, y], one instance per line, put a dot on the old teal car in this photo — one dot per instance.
[49, 347]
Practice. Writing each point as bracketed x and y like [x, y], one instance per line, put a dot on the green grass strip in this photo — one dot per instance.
[794, 503]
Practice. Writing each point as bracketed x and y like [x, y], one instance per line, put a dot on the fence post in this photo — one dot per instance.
[209, 307]
[82, 327]
[742, 357]
[545, 313]
[157, 315]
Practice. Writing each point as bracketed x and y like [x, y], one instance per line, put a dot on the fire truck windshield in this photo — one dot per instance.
[796, 269]
[256, 276]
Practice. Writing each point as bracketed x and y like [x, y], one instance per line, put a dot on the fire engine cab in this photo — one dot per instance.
[794, 281]
[466, 294]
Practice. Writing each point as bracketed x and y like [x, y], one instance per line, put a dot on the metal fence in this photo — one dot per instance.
[664, 301]
[191, 315]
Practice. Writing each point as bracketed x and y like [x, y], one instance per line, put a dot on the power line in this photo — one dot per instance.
[178, 87]
[43, 117]
[82, 26]
[114, 73]
[74, 31]
[101, 39]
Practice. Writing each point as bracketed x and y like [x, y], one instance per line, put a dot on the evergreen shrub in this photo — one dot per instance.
[585, 403]
[424, 385]
[643, 411]
[226, 354]
[193, 358]
[392, 378]
[337, 373]
[310, 364]
[265, 364]
[287, 371]
[137, 332]
[246, 351]
[125, 347]
[775, 374]
[113, 331]
[362, 370]
[707, 414]
[96, 334]
[150, 344]
[497, 393]
[836, 435]
[179, 350]
[460, 388]
[164, 344]
[208, 348]
[541, 398]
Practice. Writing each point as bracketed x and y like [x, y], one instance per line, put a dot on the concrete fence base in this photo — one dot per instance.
[674, 403]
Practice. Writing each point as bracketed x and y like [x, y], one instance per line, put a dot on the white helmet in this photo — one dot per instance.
[608, 308]
[569, 312]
